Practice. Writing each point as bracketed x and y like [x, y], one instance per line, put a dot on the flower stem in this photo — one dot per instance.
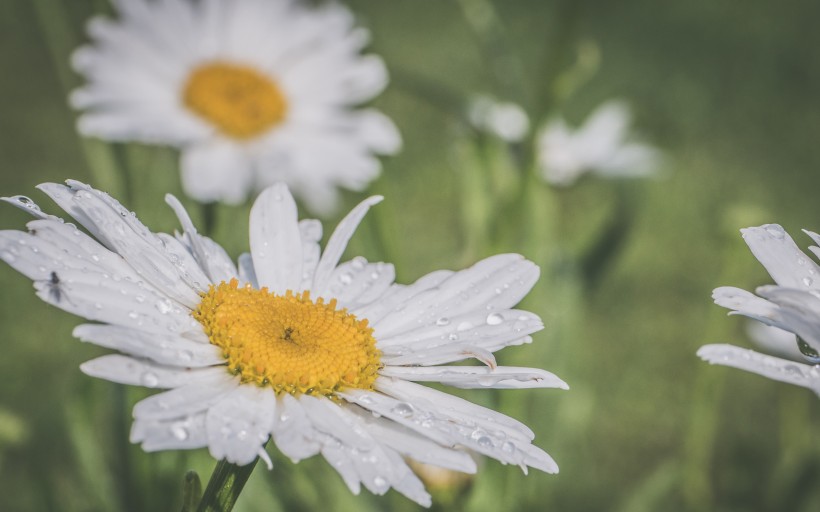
[224, 487]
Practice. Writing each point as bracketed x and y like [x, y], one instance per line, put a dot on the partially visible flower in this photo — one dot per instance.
[252, 91]
[321, 356]
[505, 120]
[792, 305]
[599, 147]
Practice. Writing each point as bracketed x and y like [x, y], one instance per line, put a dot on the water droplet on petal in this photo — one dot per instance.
[776, 231]
[379, 481]
[807, 281]
[149, 379]
[443, 321]
[485, 442]
[186, 355]
[403, 409]
[452, 337]
[179, 431]
[133, 315]
[242, 435]
[164, 306]
[346, 278]
[808, 351]
[494, 319]
[508, 447]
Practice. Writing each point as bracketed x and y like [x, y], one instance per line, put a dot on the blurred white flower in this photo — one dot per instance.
[321, 356]
[505, 120]
[598, 147]
[792, 305]
[252, 92]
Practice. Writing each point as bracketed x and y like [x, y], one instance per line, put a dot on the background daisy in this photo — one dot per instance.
[251, 91]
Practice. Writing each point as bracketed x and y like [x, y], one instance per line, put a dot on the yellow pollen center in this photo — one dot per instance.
[289, 342]
[239, 100]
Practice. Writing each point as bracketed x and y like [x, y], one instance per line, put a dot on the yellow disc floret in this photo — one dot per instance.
[239, 100]
[289, 342]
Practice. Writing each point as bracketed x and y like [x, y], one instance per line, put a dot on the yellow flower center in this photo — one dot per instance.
[239, 100]
[289, 342]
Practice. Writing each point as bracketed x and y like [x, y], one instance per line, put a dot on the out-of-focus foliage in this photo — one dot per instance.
[729, 92]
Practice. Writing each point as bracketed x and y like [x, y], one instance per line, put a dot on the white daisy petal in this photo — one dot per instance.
[161, 348]
[398, 295]
[784, 261]
[359, 282]
[311, 232]
[28, 206]
[293, 432]
[774, 368]
[799, 311]
[174, 434]
[240, 424]
[500, 377]
[411, 444]
[407, 356]
[135, 372]
[276, 243]
[216, 171]
[186, 400]
[210, 256]
[247, 274]
[495, 283]
[329, 418]
[339, 459]
[338, 242]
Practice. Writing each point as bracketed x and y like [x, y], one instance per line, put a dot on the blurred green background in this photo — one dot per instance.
[728, 90]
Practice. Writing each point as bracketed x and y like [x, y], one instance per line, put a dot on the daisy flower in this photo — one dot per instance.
[598, 147]
[792, 305]
[321, 357]
[252, 92]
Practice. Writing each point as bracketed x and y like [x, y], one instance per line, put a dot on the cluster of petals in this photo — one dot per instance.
[792, 304]
[140, 287]
[601, 146]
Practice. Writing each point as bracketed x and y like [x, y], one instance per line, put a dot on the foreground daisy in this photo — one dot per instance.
[322, 357]
[252, 91]
[793, 305]
[598, 147]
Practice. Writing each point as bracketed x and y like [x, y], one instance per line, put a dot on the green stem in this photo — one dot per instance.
[224, 486]
[208, 219]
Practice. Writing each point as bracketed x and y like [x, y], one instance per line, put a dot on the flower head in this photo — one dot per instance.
[319, 356]
[252, 91]
[599, 147]
[792, 305]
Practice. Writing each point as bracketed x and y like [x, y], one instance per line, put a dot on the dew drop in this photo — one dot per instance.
[485, 442]
[133, 315]
[793, 370]
[494, 319]
[808, 351]
[807, 281]
[186, 355]
[149, 379]
[7, 257]
[508, 447]
[403, 409]
[164, 306]
[443, 321]
[346, 278]
[463, 326]
[358, 263]
[379, 481]
[179, 431]
[452, 337]
[776, 231]
[242, 435]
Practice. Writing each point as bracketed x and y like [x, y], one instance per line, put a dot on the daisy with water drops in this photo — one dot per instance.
[291, 345]
[600, 146]
[252, 92]
[792, 305]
